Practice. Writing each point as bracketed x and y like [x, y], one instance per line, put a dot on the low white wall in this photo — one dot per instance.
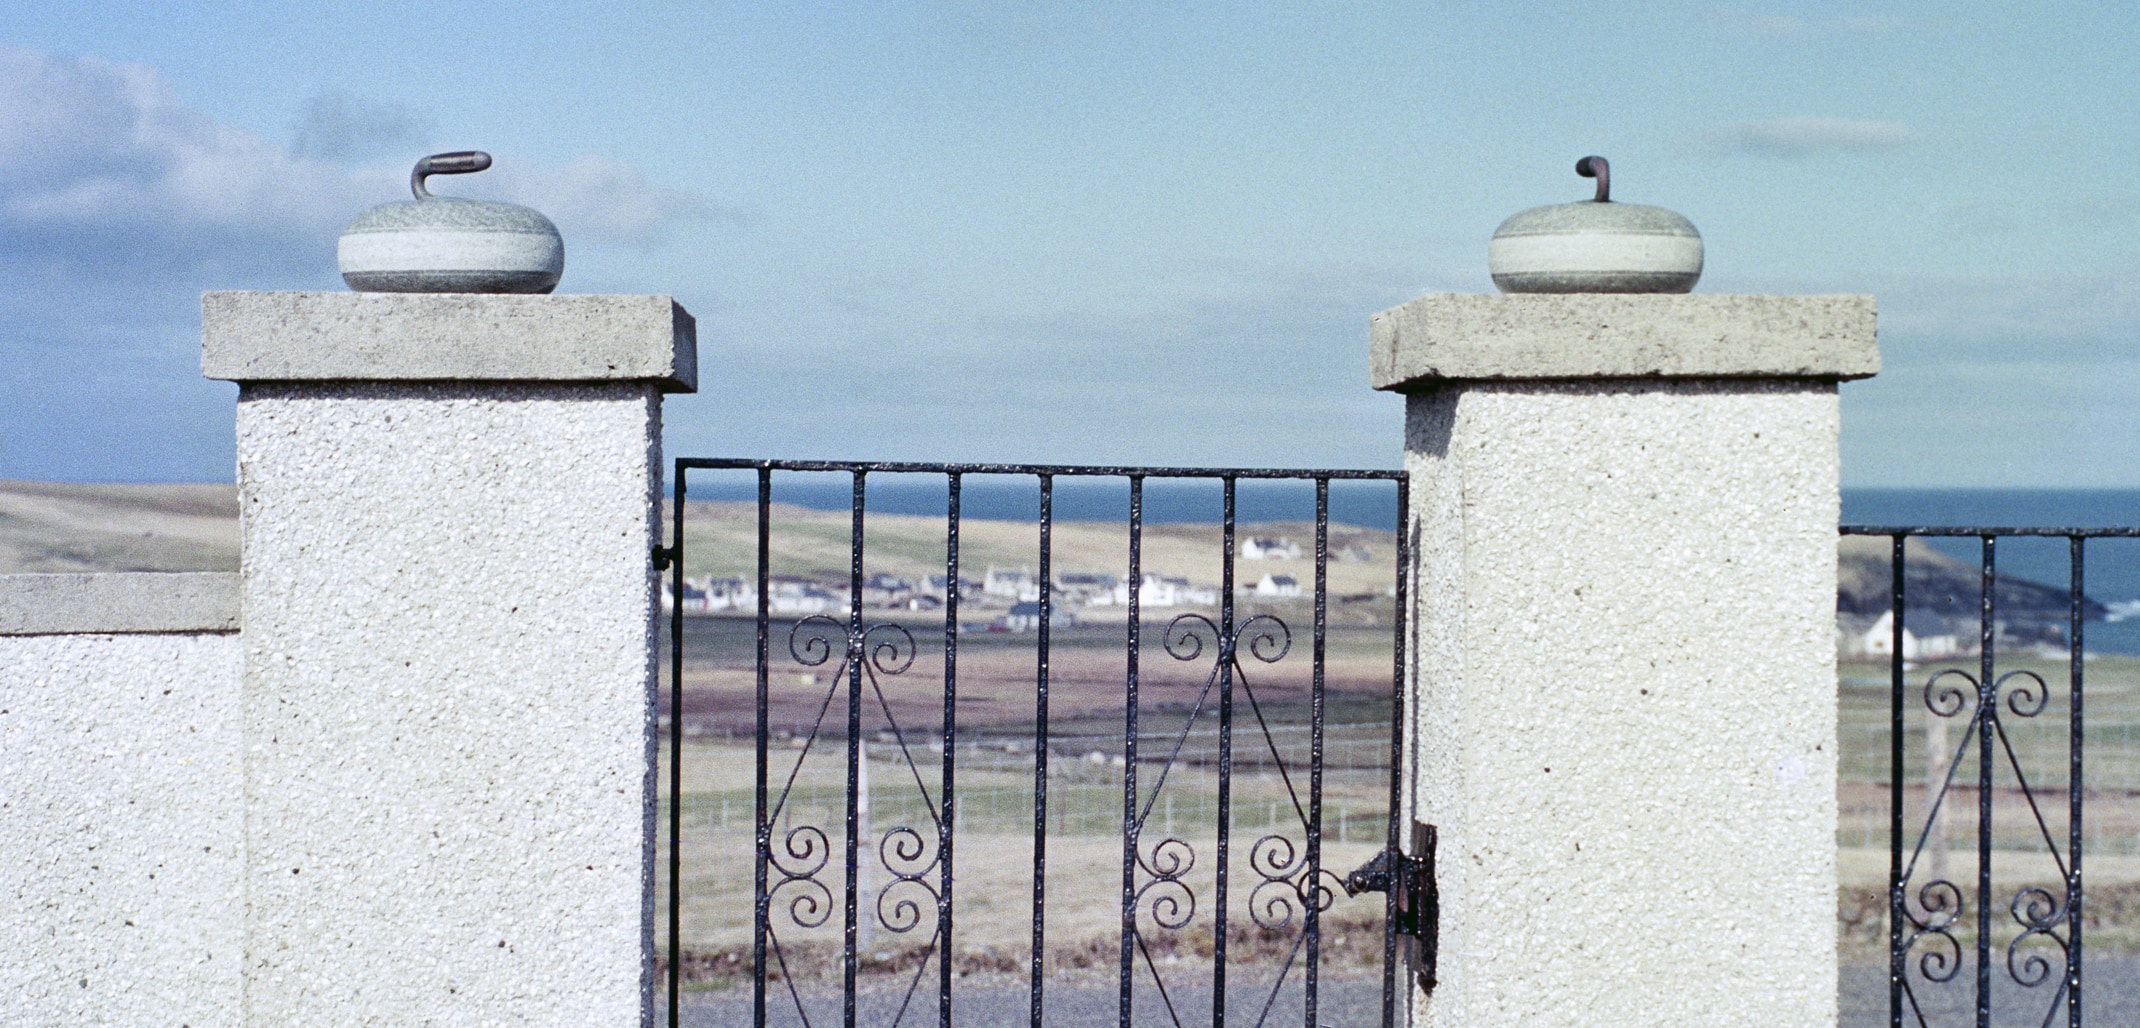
[120, 789]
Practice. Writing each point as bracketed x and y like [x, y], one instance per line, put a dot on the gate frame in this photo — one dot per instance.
[1984, 725]
[1405, 879]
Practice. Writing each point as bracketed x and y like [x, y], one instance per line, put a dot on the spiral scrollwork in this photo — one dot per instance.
[1184, 637]
[889, 648]
[901, 852]
[1170, 858]
[1265, 638]
[809, 851]
[2038, 911]
[1941, 902]
[1273, 902]
[806, 852]
[905, 852]
[1173, 903]
[811, 905]
[906, 907]
[1938, 965]
[1328, 887]
[811, 640]
[805, 845]
[1949, 699]
[2028, 698]
[1275, 858]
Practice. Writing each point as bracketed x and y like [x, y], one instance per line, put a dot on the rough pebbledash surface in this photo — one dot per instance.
[449, 651]
[1625, 675]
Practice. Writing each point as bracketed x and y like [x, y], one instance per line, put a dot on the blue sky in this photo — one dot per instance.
[1085, 232]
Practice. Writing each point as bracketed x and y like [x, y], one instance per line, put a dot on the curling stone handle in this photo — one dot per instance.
[1597, 168]
[459, 162]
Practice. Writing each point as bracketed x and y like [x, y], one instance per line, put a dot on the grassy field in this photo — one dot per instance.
[66, 526]
[993, 807]
[1086, 799]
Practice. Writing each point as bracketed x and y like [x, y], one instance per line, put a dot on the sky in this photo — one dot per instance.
[1120, 233]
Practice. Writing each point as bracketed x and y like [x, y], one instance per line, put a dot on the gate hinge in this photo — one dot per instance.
[663, 556]
[1411, 877]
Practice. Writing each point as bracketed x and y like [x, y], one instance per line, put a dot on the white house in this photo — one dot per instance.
[1085, 588]
[1014, 583]
[1270, 549]
[1923, 637]
[795, 596]
[1161, 591]
[1025, 617]
[712, 595]
[1277, 585]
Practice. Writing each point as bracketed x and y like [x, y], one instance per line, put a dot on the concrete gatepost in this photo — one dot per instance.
[449, 505]
[1624, 516]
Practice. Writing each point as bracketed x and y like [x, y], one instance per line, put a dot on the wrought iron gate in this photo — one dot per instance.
[1175, 898]
[2016, 927]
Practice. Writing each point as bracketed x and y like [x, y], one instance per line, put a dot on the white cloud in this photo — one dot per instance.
[1805, 136]
[336, 126]
[103, 168]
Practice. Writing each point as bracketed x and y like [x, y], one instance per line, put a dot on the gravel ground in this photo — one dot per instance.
[2111, 997]
[1344, 1002]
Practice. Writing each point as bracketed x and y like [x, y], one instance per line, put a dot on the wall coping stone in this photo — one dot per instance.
[468, 337]
[1451, 337]
[117, 603]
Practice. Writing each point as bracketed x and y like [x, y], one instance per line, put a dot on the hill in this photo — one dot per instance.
[67, 526]
[1947, 588]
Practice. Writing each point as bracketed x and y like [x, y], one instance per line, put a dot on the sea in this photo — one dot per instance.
[2112, 569]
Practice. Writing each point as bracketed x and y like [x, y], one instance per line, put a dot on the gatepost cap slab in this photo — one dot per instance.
[1454, 337]
[469, 337]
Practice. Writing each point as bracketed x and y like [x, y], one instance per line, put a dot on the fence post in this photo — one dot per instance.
[1624, 521]
[449, 510]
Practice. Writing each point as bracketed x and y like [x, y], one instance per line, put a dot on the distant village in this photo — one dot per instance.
[1012, 594]
[1930, 636]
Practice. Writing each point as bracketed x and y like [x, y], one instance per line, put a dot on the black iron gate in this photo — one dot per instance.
[1201, 726]
[1975, 736]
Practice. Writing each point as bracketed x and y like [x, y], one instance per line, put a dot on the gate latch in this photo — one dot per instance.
[1411, 877]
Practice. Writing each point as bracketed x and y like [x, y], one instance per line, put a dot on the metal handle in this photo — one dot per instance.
[1595, 167]
[459, 162]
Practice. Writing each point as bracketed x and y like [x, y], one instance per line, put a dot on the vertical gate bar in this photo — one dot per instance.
[1402, 619]
[1132, 828]
[1226, 653]
[1313, 926]
[1987, 723]
[855, 656]
[1897, 904]
[2075, 602]
[946, 827]
[676, 748]
[1040, 748]
[761, 902]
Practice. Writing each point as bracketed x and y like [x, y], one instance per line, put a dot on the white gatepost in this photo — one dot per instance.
[1624, 518]
[449, 506]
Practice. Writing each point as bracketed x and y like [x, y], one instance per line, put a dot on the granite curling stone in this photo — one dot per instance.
[1596, 246]
[443, 244]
